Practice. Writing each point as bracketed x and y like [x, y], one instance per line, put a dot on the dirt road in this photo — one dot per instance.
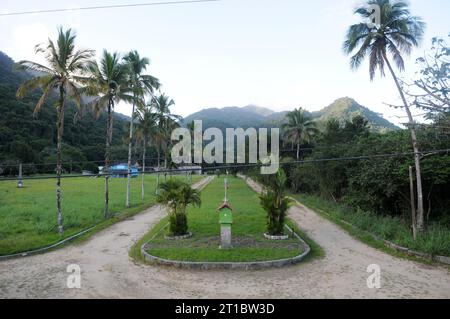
[108, 271]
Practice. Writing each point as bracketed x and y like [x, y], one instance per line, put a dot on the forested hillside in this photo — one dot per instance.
[343, 109]
[31, 138]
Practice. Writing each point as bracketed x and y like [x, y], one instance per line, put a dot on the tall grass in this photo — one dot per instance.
[435, 241]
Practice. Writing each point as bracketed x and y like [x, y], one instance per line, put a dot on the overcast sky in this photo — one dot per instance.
[279, 54]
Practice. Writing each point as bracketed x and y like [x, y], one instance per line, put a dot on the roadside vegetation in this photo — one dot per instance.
[394, 184]
[436, 241]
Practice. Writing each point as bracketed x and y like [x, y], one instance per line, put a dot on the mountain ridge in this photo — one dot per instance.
[342, 109]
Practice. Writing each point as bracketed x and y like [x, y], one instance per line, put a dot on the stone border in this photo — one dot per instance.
[440, 259]
[187, 236]
[48, 248]
[270, 237]
[257, 265]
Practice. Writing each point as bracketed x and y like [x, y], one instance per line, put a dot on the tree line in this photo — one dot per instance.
[99, 85]
[383, 186]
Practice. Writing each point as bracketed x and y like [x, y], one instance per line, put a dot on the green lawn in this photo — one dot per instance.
[435, 241]
[248, 229]
[28, 215]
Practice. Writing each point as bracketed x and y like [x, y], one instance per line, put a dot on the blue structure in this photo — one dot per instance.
[121, 171]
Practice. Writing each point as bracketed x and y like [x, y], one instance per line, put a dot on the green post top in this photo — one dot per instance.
[225, 214]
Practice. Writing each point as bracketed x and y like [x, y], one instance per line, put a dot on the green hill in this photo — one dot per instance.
[252, 116]
[345, 109]
[29, 138]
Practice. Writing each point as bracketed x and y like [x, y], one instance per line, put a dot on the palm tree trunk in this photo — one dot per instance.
[159, 156]
[157, 184]
[420, 209]
[143, 168]
[298, 150]
[130, 146]
[109, 129]
[158, 150]
[60, 128]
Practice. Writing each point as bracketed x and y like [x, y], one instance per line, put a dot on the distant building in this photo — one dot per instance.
[89, 173]
[181, 170]
[195, 170]
[120, 171]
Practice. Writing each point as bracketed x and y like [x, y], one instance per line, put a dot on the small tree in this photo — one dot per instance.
[177, 195]
[275, 203]
[299, 128]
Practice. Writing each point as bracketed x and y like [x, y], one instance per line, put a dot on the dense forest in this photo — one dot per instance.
[31, 138]
[375, 184]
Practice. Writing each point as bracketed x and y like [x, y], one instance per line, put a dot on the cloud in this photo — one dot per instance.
[24, 40]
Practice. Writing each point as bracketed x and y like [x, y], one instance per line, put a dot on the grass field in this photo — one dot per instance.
[435, 241]
[248, 229]
[28, 215]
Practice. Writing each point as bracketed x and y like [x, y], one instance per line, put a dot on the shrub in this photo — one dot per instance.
[275, 203]
[177, 195]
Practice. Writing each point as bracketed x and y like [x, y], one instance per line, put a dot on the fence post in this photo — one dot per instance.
[20, 182]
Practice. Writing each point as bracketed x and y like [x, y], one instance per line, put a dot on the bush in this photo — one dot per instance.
[275, 203]
[177, 195]
[178, 224]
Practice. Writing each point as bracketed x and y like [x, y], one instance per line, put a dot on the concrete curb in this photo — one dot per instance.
[230, 265]
[441, 259]
[46, 249]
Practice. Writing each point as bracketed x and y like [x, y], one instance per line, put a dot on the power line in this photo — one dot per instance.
[243, 166]
[116, 6]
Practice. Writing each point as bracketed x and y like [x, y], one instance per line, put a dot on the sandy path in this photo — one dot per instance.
[108, 272]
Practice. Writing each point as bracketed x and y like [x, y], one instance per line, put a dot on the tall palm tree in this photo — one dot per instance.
[166, 123]
[146, 129]
[299, 128]
[107, 82]
[141, 85]
[168, 127]
[65, 65]
[398, 33]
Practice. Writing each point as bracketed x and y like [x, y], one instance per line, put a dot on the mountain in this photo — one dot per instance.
[342, 109]
[230, 117]
[31, 138]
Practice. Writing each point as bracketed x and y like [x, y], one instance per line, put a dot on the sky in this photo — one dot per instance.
[280, 54]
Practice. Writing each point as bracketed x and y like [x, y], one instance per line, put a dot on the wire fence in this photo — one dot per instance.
[206, 168]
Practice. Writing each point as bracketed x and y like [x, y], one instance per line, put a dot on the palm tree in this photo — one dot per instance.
[146, 129]
[168, 126]
[397, 34]
[65, 65]
[177, 196]
[108, 84]
[275, 202]
[141, 85]
[299, 128]
[166, 123]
